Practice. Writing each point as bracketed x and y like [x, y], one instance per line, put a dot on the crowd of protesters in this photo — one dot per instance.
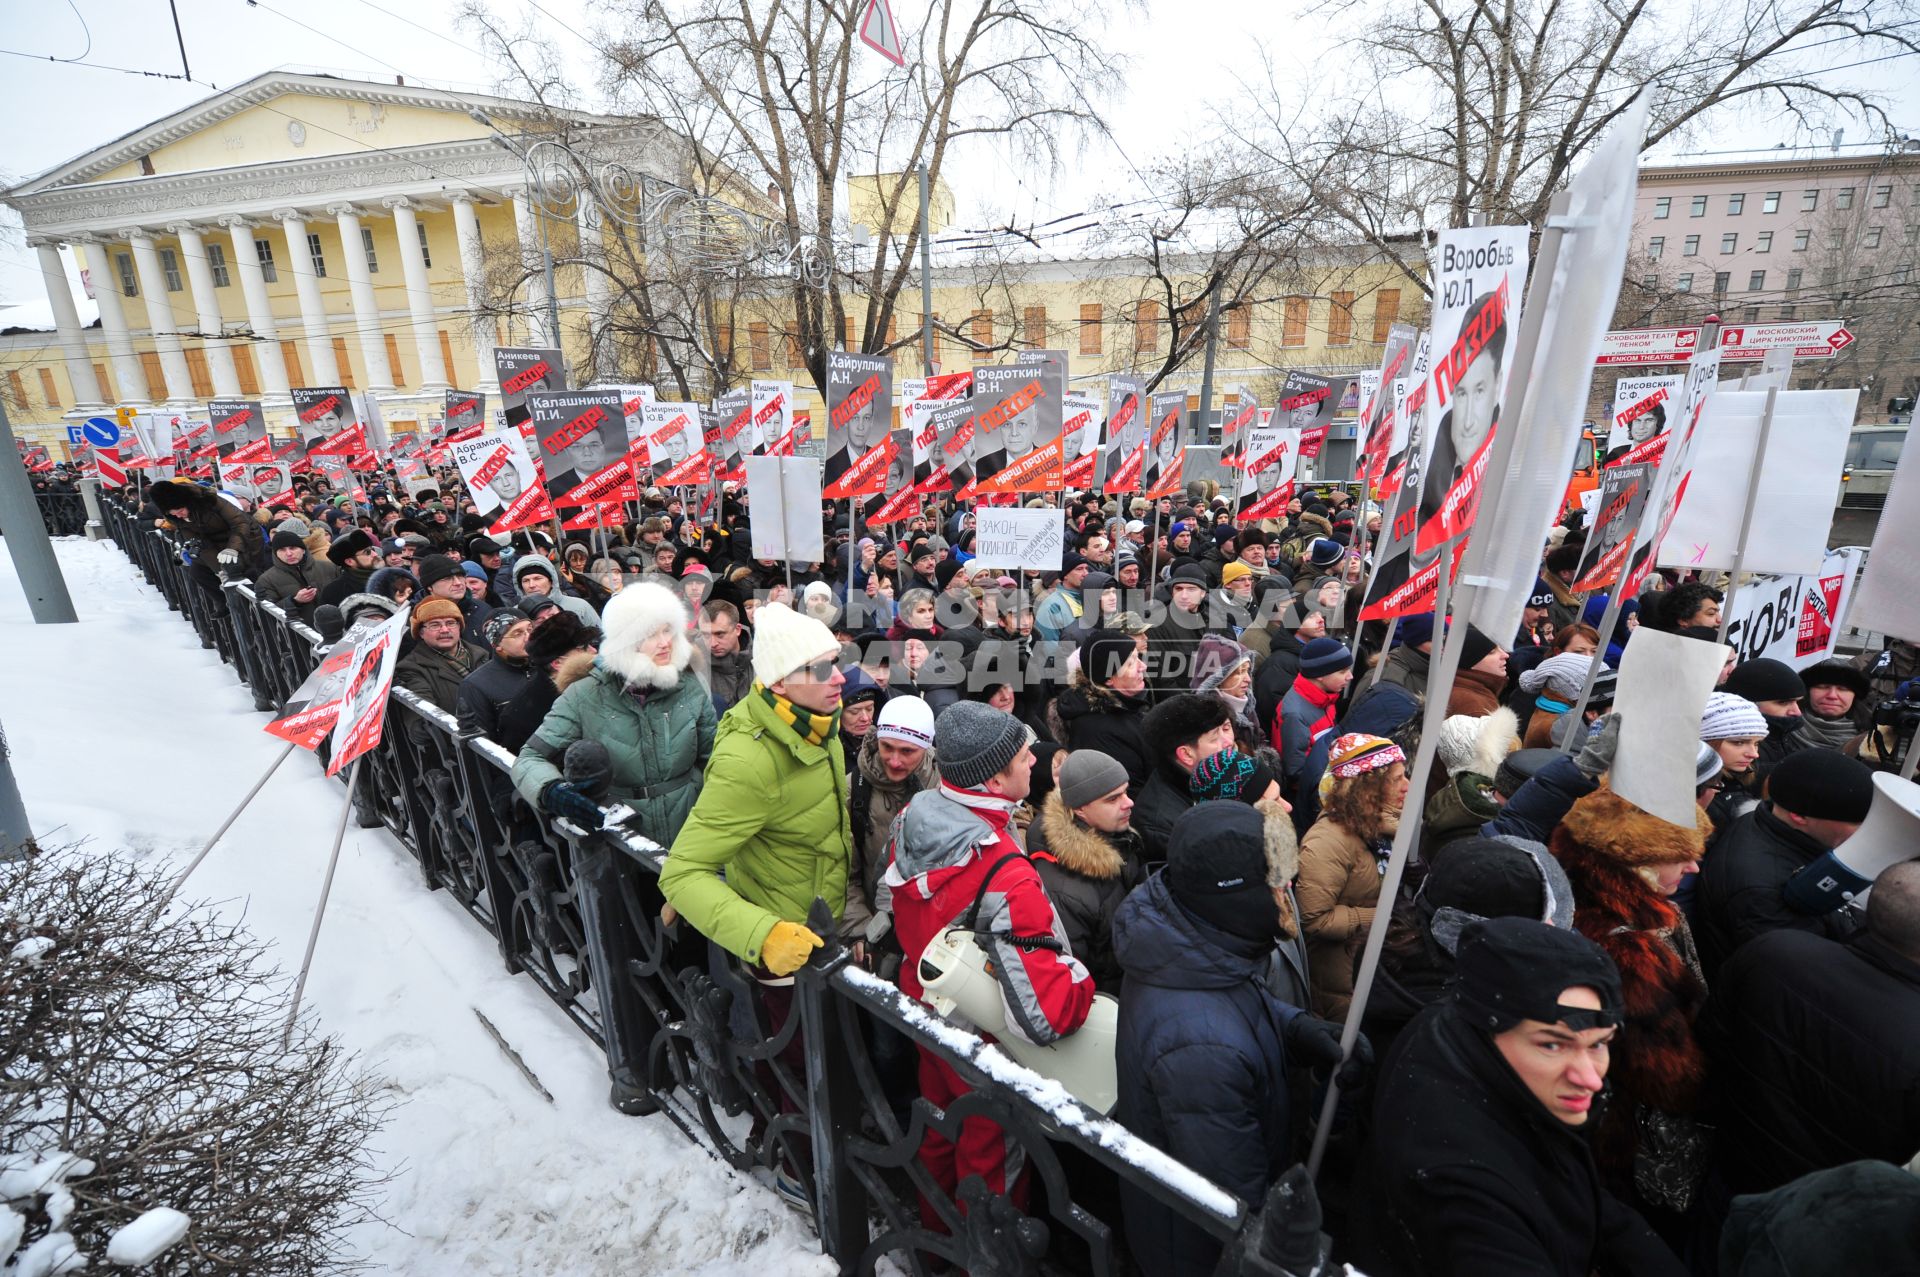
[1172, 773]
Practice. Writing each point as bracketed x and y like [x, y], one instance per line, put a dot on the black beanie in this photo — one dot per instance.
[1217, 869]
[1474, 647]
[1104, 653]
[1487, 877]
[437, 567]
[288, 541]
[1765, 679]
[1514, 969]
[479, 546]
[945, 570]
[1822, 784]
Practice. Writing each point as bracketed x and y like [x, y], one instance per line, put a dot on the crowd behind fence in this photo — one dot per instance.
[580, 915]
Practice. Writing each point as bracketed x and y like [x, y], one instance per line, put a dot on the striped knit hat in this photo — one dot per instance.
[1730, 717]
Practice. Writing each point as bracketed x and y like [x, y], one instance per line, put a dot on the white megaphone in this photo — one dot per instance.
[957, 976]
[1889, 835]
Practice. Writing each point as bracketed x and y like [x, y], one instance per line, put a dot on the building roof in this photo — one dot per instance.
[37, 316]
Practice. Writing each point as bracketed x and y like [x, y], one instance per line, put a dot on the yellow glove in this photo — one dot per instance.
[786, 947]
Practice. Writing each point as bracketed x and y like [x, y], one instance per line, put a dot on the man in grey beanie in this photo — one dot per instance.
[1089, 858]
[955, 864]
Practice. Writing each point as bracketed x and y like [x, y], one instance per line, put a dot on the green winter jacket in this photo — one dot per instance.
[657, 748]
[773, 818]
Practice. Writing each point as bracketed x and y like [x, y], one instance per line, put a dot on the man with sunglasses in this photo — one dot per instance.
[1477, 1161]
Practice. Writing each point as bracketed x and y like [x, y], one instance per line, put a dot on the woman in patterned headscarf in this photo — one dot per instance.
[1343, 857]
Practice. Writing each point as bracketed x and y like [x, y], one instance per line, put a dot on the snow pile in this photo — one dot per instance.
[148, 1237]
[31, 950]
[156, 742]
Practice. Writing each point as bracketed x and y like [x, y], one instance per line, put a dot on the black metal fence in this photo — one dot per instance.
[821, 1099]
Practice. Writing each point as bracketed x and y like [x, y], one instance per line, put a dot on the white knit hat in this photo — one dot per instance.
[1730, 717]
[1560, 677]
[907, 720]
[784, 640]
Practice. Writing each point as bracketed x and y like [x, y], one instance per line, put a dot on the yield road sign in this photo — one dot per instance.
[879, 32]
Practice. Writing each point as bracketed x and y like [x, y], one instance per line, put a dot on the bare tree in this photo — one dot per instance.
[1485, 107]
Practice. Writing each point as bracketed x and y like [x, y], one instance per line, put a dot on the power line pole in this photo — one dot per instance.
[26, 536]
[1206, 375]
[926, 278]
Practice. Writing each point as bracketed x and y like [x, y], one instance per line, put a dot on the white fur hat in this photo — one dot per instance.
[633, 616]
[784, 640]
[1470, 744]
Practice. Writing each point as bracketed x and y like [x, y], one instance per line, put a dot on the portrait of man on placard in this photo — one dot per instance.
[1471, 414]
[268, 482]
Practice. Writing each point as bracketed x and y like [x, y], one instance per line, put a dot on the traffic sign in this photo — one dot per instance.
[76, 434]
[1820, 339]
[102, 432]
[879, 32]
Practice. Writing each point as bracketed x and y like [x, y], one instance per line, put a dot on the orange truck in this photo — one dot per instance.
[1586, 468]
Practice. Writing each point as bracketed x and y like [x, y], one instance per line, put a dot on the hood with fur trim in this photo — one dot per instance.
[573, 667]
[1611, 827]
[634, 615]
[1077, 847]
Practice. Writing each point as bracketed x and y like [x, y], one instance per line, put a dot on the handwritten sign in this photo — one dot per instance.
[1032, 540]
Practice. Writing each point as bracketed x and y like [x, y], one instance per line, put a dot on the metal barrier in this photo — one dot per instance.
[63, 513]
[828, 1097]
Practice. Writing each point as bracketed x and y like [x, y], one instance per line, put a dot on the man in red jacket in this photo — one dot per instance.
[955, 864]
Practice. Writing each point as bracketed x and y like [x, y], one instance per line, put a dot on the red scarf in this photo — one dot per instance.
[1315, 695]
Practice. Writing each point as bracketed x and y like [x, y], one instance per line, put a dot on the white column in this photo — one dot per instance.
[321, 365]
[206, 304]
[113, 321]
[533, 265]
[66, 323]
[599, 288]
[253, 286]
[366, 311]
[161, 322]
[413, 265]
[473, 268]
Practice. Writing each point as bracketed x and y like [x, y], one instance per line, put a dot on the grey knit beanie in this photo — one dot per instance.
[1088, 775]
[973, 742]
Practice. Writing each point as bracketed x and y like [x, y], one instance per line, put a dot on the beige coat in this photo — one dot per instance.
[1338, 888]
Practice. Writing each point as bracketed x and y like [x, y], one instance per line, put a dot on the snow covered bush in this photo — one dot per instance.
[141, 1068]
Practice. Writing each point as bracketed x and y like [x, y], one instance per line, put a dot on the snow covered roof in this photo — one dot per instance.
[37, 316]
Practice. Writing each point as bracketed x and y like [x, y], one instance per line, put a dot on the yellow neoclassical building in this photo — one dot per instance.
[312, 230]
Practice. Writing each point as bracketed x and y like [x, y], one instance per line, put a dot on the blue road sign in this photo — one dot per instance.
[76, 434]
[101, 432]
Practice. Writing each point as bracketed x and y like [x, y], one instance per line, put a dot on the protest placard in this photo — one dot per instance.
[1012, 537]
[1796, 619]
[783, 508]
[582, 437]
[523, 370]
[1124, 450]
[859, 408]
[1889, 597]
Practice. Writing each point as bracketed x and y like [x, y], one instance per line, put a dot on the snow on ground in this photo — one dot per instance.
[126, 732]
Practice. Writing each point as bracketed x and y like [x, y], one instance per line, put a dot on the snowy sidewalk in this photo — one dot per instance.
[124, 731]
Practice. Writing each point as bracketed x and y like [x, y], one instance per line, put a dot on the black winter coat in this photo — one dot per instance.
[1741, 882]
[1466, 1173]
[214, 524]
[350, 582]
[1160, 802]
[487, 691]
[1098, 717]
[1202, 1068]
[1087, 874]
[1817, 1050]
[279, 583]
[435, 676]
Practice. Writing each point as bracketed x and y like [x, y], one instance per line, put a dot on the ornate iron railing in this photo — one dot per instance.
[828, 1097]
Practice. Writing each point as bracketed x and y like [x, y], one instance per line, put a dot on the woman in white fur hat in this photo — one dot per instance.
[646, 703]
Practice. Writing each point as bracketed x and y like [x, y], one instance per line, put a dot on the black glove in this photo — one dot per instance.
[588, 767]
[562, 799]
[1315, 1042]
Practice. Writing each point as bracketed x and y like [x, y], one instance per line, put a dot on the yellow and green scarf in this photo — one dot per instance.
[815, 729]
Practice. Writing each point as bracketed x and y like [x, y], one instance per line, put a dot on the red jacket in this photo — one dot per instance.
[944, 845]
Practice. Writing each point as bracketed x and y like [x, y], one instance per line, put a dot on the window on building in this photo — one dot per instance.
[154, 375]
[170, 269]
[1882, 196]
[1843, 198]
[1650, 282]
[794, 359]
[1770, 202]
[1656, 245]
[426, 252]
[1091, 314]
[129, 283]
[1684, 284]
[1240, 325]
[1763, 242]
[1753, 315]
[1699, 206]
[1730, 242]
[1801, 238]
[1787, 312]
[1902, 274]
[366, 242]
[1146, 326]
[1722, 280]
[1033, 326]
[16, 390]
[1386, 311]
[198, 373]
[106, 386]
[1810, 199]
[1793, 280]
[243, 369]
[1340, 320]
[1913, 236]
[319, 258]
[48, 388]
[1293, 322]
[217, 260]
[1663, 206]
[344, 362]
[760, 345]
[1690, 247]
[1872, 238]
[980, 329]
[290, 359]
[263, 249]
[1835, 238]
[1828, 278]
[1756, 281]
[394, 368]
[1736, 204]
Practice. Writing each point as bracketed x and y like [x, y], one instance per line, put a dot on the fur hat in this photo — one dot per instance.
[433, 610]
[784, 640]
[347, 544]
[632, 617]
[1477, 745]
[1836, 674]
[1609, 825]
[1181, 720]
[174, 494]
[559, 634]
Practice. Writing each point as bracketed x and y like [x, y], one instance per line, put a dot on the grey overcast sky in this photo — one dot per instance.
[1187, 52]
